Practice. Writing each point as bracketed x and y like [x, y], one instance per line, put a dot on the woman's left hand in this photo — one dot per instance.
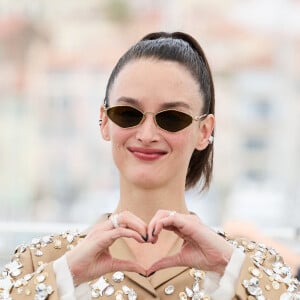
[202, 247]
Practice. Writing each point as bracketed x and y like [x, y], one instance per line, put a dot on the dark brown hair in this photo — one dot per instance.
[184, 49]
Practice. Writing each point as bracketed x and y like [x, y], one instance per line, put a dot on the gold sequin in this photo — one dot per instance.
[275, 285]
[182, 296]
[251, 246]
[119, 295]
[244, 243]
[57, 244]
[27, 292]
[70, 247]
[192, 272]
[256, 272]
[268, 287]
[25, 282]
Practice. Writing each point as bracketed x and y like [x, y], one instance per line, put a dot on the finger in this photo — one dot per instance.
[129, 220]
[166, 262]
[182, 224]
[154, 231]
[125, 232]
[168, 220]
[124, 265]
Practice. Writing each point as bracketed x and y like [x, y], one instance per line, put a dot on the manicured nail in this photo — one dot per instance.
[145, 238]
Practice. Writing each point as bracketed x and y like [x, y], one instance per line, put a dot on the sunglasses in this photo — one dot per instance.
[170, 120]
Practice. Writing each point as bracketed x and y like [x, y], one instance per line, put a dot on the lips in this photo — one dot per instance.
[147, 153]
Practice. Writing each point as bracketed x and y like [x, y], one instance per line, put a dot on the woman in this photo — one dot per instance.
[158, 114]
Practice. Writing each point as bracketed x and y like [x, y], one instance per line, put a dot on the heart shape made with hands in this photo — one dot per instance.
[202, 247]
[154, 231]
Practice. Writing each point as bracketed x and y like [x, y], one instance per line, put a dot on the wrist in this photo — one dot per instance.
[224, 259]
[74, 274]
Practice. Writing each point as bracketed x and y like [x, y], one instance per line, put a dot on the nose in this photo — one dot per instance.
[147, 131]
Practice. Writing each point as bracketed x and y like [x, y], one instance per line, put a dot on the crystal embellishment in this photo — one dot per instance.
[109, 290]
[169, 290]
[131, 294]
[99, 287]
[195, 292]
[118, 276]
[42, 291]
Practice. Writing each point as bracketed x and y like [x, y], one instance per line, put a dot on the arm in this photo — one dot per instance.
[250, 231]
[263, 271]
[265, 274]
[31, 272]
[21, 278]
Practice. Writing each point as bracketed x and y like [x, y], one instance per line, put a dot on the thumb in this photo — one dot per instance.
[166, 262]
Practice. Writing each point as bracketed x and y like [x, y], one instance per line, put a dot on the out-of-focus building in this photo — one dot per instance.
[55, 60]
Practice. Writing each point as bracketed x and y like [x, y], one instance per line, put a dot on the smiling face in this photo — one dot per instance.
[147, 155]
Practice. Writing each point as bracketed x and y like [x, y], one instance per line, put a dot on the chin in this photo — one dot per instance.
[145, 181]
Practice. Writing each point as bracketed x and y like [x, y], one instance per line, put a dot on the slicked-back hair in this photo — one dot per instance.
[185, 50]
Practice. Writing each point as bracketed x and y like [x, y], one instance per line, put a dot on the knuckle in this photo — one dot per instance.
[126, 213]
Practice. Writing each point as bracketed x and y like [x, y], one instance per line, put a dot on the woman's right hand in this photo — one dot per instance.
[91, 257]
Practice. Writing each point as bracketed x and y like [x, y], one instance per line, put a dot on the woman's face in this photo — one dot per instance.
[146, 155]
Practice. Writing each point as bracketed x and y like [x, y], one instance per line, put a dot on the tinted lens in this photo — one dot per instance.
[124, 116]
[173, 120]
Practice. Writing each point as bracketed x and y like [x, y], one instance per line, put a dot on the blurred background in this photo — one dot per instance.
[55, 58]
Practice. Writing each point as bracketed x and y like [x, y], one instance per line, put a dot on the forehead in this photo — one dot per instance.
[156, 81]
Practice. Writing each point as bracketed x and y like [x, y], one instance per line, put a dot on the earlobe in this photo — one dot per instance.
[103, 123]
[206, 132]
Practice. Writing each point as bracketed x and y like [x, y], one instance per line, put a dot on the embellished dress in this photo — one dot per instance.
[39, 271]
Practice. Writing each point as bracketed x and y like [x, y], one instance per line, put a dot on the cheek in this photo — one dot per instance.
[186, 137]
[183, 142]
[119, 137]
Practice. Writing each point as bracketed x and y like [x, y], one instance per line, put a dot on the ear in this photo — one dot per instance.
[206, 128]
[103, 122]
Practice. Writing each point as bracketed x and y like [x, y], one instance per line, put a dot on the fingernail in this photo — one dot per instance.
[145, 238]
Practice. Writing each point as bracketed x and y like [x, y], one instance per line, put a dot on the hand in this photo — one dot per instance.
[202, 247]
[91, 258]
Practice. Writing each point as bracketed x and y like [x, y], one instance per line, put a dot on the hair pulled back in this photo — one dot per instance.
[184, 49]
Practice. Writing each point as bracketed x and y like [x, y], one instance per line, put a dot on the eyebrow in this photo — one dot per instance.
[175, 104]
[167, 105]
[128, 100]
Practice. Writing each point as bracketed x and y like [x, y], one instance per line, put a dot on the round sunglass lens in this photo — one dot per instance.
[173, 120]
[125, 116]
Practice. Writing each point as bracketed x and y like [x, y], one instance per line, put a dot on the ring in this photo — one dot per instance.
[114, 219]
[172, 213]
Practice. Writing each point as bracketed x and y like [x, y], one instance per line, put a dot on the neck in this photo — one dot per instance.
[144, 202]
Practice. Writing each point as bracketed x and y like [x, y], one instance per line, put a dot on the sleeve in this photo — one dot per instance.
[65, 285]
[264, 275]
[228, 281]
[20, 280]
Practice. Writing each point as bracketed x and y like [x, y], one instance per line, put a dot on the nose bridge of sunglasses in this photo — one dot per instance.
[152, 117]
